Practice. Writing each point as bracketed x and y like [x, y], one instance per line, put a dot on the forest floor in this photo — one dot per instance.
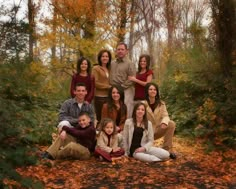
[193, 168]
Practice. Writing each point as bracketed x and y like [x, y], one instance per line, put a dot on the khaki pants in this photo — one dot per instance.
[68, 148]
[129, 100]
[167, 134]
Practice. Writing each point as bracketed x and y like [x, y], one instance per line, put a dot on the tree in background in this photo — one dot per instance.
[13, 37]
[31, 30]
[223, 13]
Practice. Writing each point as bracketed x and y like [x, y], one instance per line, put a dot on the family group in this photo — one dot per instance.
[113, 111]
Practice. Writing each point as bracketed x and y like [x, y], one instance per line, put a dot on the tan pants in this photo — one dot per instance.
[167, 134]
[129, 100]
[68, 148]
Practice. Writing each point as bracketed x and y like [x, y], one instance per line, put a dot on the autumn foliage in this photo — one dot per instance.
[192, 169]
[194, 65]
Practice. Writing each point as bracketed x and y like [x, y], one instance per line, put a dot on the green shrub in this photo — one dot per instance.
[199, 98]
[28, 116]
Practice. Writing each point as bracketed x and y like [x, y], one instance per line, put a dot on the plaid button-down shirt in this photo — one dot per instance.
[70, 110]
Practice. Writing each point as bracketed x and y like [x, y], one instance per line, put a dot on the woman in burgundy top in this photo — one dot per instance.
[83, 76]
[143, 76]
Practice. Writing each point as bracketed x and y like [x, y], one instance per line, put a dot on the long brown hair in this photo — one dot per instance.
[80, 61]
[103, 124]
[110, 103]
[145, 120]
[157, 97]
[100, 56]
[148, 60]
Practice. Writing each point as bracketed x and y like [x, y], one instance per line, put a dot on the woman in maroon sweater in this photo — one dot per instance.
[143, 76]
[83, 76]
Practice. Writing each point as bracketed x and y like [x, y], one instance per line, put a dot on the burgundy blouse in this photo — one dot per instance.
[139, 89]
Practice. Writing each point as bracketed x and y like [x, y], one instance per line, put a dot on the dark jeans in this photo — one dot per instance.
[98, 103]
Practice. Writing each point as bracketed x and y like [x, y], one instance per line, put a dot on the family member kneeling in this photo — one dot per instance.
[70, 109]
[138, 137]
[74, 143]
[158, 115]
[107, 141]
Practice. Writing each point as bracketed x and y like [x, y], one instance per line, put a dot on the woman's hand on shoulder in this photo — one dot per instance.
[132, 78]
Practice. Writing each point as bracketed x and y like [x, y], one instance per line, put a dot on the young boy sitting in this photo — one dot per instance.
[74, 142]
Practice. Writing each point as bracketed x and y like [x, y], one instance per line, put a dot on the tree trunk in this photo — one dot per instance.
[132, 23]
[123, 21]
[53, 48]
[223, 13]
[169, 14]
[89, 30]
[31, 15]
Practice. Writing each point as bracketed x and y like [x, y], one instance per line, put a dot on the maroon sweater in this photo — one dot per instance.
[85, 136]
[139, 89]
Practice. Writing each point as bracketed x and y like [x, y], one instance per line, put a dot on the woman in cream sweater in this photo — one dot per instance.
[158, 115]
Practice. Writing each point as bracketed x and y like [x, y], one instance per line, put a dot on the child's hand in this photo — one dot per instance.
[63, 135]
[116, 149]
[140, 149]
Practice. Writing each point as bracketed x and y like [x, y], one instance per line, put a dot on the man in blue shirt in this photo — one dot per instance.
[70, 109]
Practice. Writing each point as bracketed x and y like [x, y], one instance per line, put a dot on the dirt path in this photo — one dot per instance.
[192, 169]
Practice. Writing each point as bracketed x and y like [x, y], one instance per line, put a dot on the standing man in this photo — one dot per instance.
[121, 68]
[71, 108]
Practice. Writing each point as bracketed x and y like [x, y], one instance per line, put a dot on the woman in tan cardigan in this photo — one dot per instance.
[101, 75]
[158, 115]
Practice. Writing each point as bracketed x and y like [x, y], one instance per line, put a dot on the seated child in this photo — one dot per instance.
[74, 142]
[107, 141]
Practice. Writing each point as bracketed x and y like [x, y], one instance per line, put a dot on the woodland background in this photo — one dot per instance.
[193, 49]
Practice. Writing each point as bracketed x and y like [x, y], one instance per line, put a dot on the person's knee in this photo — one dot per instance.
[64, 123]
[172, 124]
[164, 154]
[159, 152]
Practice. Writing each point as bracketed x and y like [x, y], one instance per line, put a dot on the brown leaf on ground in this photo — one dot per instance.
[192, 169]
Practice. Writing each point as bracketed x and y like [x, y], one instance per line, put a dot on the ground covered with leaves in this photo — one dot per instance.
[193, 168]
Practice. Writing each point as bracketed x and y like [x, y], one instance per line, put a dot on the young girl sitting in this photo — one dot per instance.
[107, 141]
[138, 137]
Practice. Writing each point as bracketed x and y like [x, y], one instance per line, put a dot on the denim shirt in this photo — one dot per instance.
[70, 110]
